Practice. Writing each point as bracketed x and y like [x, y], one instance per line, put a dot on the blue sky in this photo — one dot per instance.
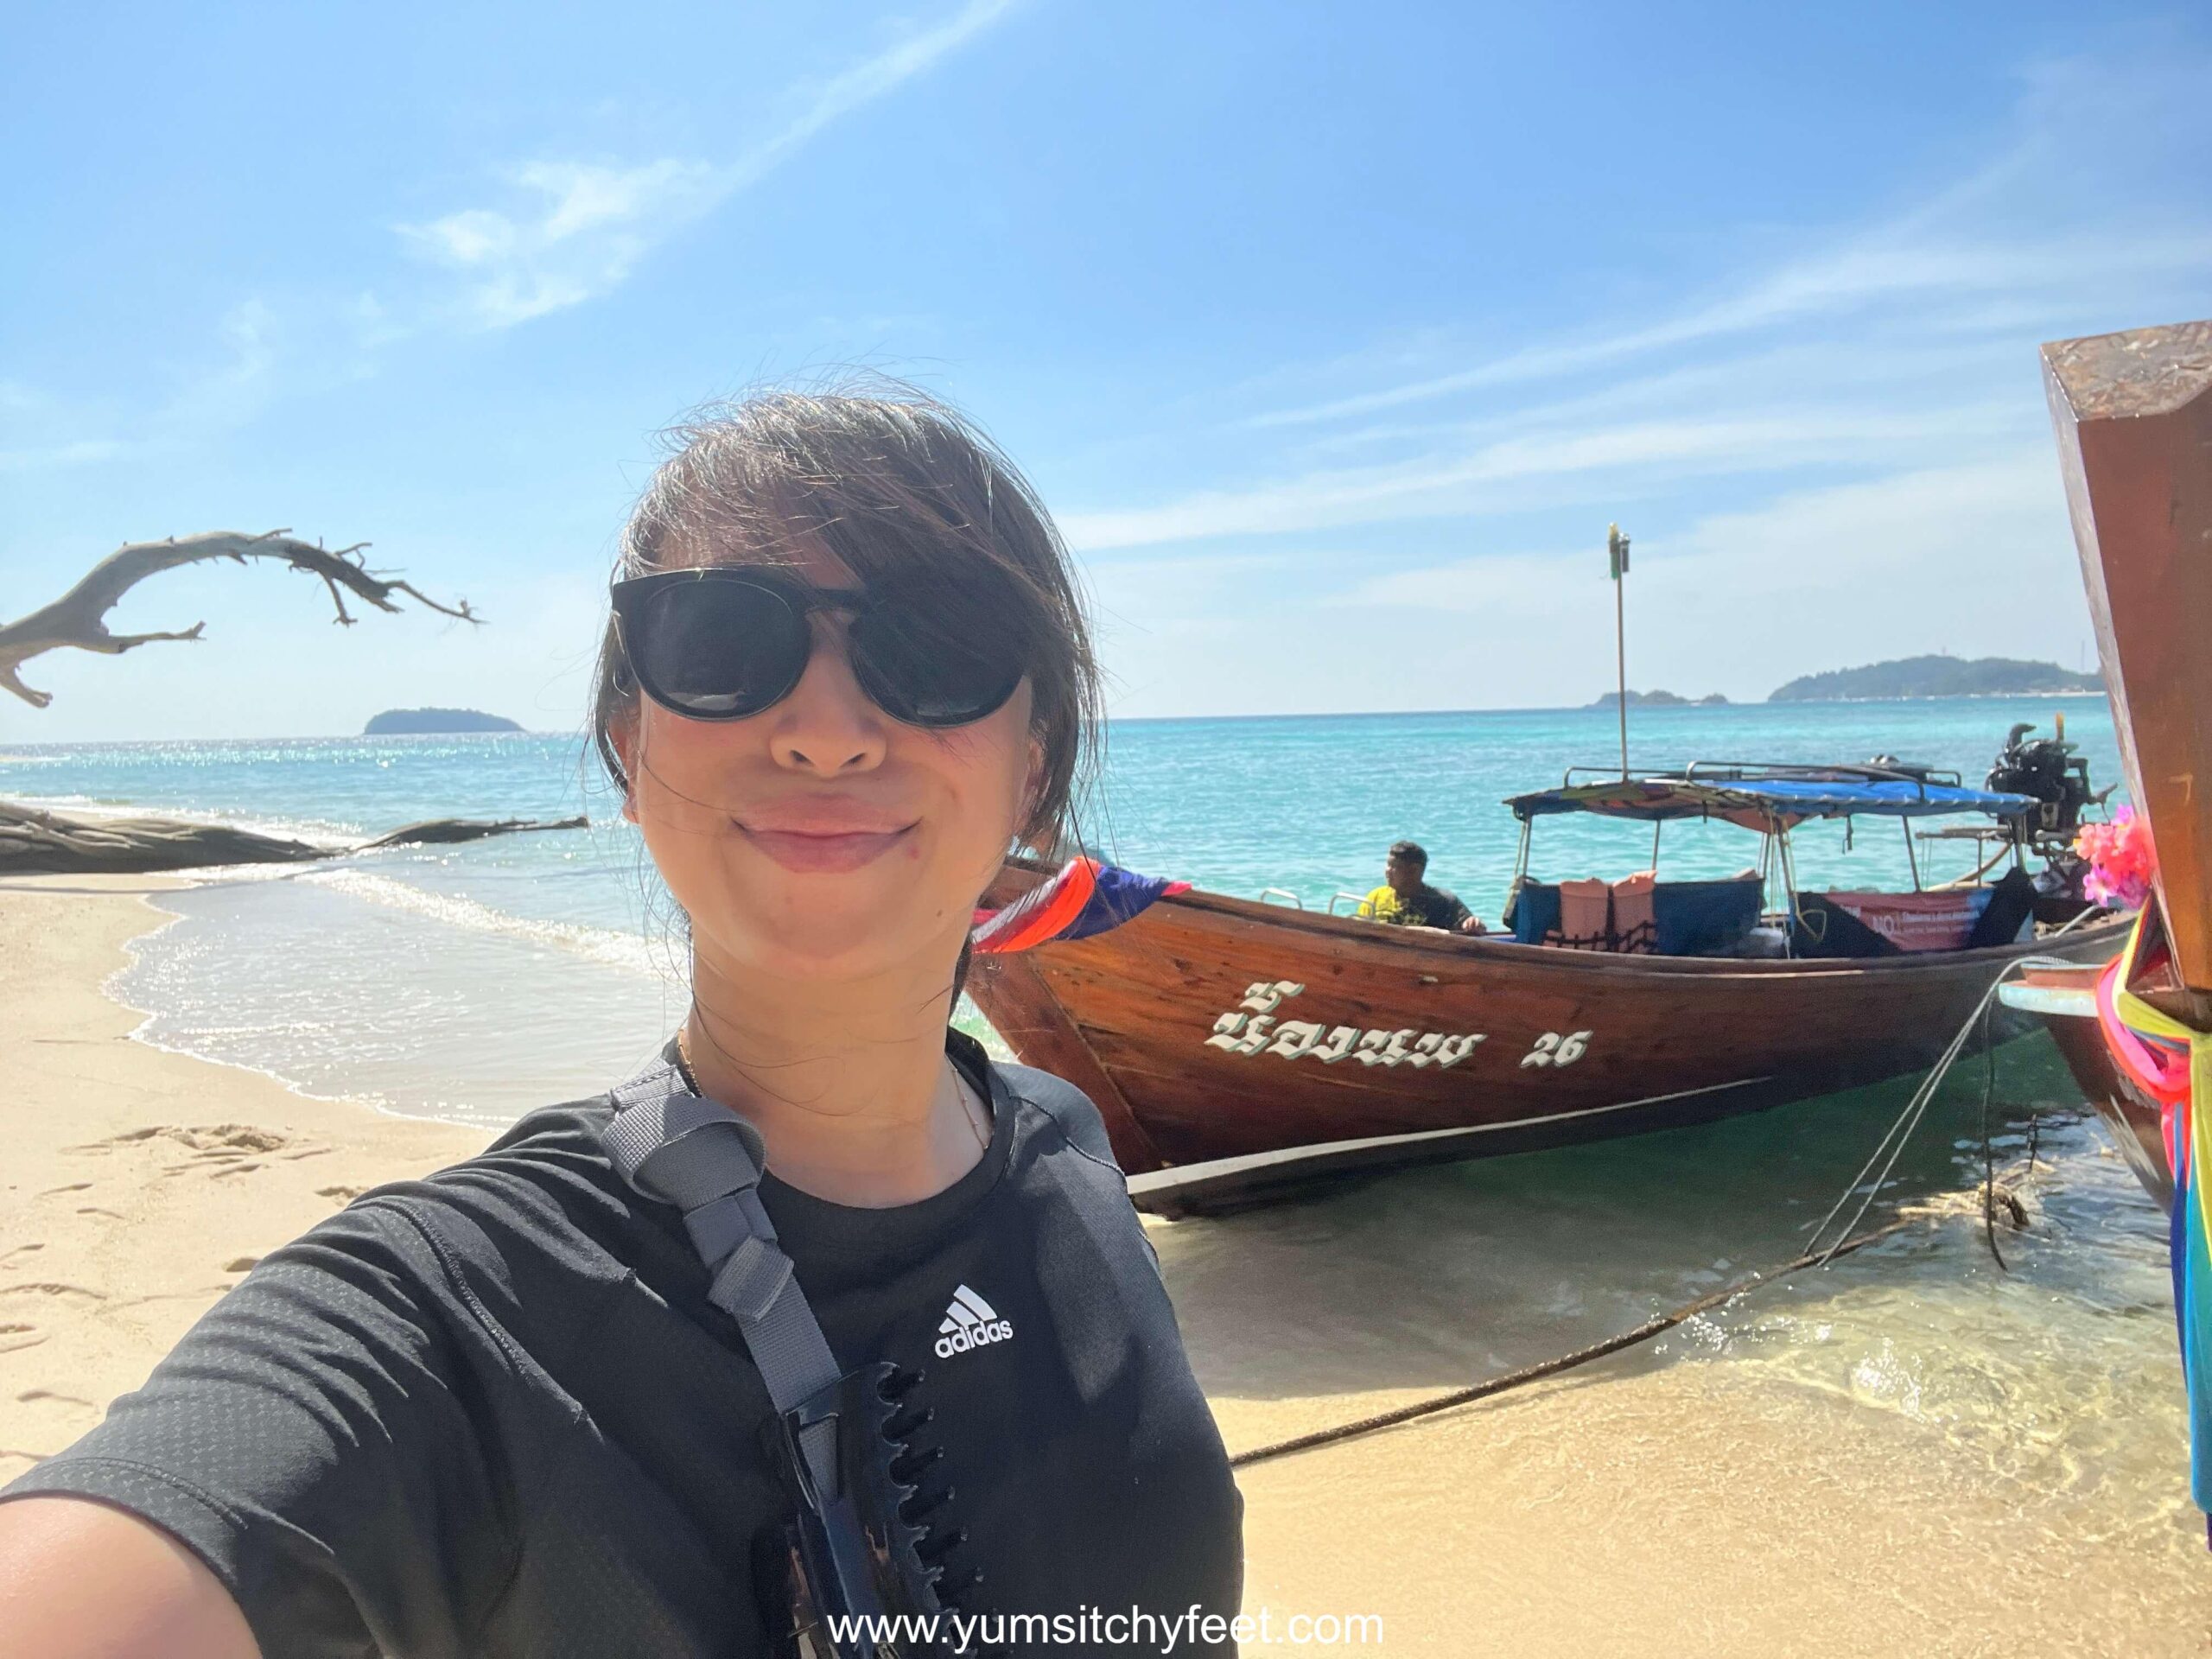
[1334, 335]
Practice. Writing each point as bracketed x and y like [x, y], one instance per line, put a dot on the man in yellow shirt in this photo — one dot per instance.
[1406, 900]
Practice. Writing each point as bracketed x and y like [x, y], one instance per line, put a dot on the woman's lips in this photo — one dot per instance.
[833, 853]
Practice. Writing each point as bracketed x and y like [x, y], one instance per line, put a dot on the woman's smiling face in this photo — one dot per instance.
[821, 838]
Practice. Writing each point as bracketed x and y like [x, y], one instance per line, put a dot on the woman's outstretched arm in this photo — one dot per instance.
[81, 1581]
[324, 1442]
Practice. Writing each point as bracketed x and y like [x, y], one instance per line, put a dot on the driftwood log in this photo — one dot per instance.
[79, 618]
[35, 842]
[441, 830]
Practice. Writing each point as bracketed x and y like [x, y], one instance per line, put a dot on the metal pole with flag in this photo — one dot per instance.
[1616, 555]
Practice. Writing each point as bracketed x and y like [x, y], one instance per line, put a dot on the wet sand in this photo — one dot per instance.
[1647, 1503]
[1690, 1510]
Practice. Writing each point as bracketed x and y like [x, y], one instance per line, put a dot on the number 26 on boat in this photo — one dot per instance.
[1552, 1049]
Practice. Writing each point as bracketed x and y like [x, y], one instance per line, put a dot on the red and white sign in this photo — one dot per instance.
[1917, 921]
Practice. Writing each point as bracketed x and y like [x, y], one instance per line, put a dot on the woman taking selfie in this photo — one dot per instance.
[823, 1311]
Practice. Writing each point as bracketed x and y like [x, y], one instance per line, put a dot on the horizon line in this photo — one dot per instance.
[1601, 708]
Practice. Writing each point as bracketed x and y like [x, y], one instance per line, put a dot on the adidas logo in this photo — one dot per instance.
[970, 1322]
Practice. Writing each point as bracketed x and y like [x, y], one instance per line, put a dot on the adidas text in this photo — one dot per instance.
[970, 1322]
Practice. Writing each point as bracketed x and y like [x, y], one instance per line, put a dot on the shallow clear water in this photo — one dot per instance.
[479, 981]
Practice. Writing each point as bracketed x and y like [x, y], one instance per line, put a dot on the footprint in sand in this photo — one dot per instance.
[15, 1333]
[126, 1138]
[36, 1396]
[210, 1140]
[340, 1194]
[49, 1288]
[232, 1138]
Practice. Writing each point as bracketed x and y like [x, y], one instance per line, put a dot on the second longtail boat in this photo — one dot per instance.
[1239, 1050]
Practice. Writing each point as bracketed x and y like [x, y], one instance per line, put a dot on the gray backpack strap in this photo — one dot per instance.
[674, 1147]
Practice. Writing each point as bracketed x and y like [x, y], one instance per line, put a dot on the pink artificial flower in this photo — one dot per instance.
[2122, 862]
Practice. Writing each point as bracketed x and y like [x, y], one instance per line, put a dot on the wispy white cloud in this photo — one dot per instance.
[865, 82]
[264, 349]
[568, 231]
[1847, 445]
[235, 387]
[1974, 558]
[1848, 280]
[1484, 478]
[1885, 348]
[573, 231]
[579, 232]
[1944, 526]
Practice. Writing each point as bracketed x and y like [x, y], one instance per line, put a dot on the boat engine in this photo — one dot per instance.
[2049, 769]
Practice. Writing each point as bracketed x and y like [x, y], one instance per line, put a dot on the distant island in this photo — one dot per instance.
[1938, 677]
[400, 722]
[1657, 700]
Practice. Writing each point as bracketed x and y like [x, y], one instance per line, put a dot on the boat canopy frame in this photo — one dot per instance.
[1756, 795]
[1771, 798]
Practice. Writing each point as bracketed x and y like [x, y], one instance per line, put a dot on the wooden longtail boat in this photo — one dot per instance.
[1239, 1051]
[2065, 999]
[2133, 415]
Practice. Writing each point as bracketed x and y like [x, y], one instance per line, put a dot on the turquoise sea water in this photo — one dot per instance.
[420, 977]
[480, 981]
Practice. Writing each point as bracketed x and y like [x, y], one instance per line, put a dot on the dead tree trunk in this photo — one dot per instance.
[33, 843]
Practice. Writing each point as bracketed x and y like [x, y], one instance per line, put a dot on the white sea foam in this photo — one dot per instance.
[597, 943]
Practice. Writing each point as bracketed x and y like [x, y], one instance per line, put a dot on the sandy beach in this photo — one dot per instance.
[140, 1185]
[1632, 1507]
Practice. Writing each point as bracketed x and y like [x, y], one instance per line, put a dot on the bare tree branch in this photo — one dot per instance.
[78, 617]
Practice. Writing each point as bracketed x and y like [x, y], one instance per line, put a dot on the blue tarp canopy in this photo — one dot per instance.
[1764, 803]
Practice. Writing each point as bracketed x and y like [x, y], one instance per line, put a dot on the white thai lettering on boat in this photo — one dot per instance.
[1252, 1028]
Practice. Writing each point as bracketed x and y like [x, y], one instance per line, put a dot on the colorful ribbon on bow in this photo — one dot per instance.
[2172, 1064]
[1087, 896]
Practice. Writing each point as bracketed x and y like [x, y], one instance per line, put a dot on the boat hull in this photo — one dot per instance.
[2065, 999]
[1238, 1050]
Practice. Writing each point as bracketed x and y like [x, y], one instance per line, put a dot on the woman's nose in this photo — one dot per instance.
[827, 725]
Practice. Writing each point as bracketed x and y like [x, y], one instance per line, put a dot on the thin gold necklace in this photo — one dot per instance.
[970, 1109]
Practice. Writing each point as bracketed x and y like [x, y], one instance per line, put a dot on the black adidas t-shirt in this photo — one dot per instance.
[493, 1413]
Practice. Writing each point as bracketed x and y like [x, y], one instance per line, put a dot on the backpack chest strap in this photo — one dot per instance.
[676, 1148]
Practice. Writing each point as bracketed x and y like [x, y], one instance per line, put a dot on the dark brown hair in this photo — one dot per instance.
[895, 485]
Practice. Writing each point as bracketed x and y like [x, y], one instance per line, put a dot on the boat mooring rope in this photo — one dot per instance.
[1652, 1327]
[1899, 1132]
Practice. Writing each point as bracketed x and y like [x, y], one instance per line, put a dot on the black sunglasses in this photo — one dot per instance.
[724, 642]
